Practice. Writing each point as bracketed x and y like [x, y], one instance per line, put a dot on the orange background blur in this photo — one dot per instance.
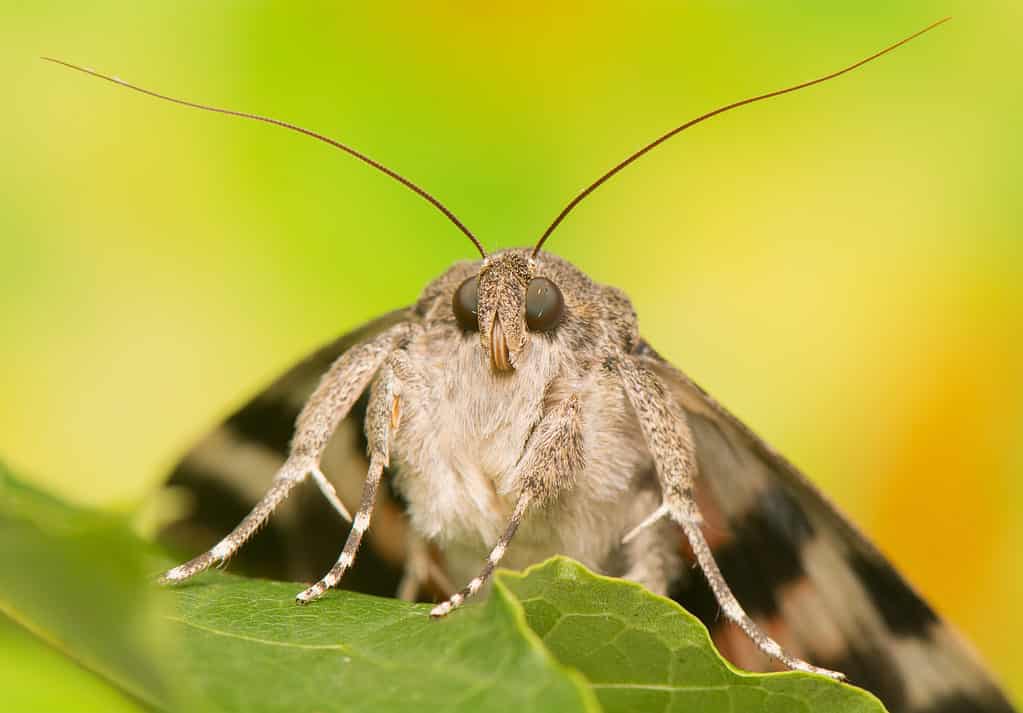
[841, 267]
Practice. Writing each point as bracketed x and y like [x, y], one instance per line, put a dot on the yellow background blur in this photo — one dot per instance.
[841, 267]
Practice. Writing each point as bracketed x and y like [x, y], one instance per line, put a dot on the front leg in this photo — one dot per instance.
[550, 464]
[383, 414]
[340, 387]
[670, 442]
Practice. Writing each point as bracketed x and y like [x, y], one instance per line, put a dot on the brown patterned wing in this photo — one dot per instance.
[228, 470]
[811, 579]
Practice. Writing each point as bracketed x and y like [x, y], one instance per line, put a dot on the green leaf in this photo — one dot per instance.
[29, 669]
[247, 646]
[77, 579]
[643, 652]
[556, 638]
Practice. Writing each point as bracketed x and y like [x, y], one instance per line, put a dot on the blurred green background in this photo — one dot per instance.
[841, 267]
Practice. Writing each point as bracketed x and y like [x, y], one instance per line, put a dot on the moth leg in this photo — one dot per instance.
[416, 572]
[651, 553]
[553, 459]
[340, 387]
[458, 598]
[382, 415]
[421, 571]
[327, 488]
[438, 577]
[670, 442]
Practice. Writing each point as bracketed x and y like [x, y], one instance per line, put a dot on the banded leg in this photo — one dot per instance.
[340, 387]
[291, 474]
[670, 441]
[458, 598]
[382, 415]
[553, 459]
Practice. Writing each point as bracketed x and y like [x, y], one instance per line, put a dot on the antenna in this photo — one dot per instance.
[720, 110]
[277, 122]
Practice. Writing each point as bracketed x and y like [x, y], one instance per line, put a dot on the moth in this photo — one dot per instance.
[518, 413]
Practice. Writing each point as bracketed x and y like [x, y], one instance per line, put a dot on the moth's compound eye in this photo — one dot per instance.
[466, 304]
[544, 305]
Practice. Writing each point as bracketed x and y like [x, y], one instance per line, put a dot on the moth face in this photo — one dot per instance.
[505, 302]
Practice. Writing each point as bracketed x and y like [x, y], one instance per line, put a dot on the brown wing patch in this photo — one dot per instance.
[810, 579]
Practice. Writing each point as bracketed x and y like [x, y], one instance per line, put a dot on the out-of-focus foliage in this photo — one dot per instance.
[77, 579]
[36, 677]
[840, 266]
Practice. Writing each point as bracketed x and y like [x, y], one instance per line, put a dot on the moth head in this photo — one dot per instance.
[505, 302]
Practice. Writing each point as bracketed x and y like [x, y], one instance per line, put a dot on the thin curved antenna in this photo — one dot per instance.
[720, 110]
[277, 122]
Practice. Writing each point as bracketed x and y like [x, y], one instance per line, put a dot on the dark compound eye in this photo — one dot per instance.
[544, 305]
[466, 304]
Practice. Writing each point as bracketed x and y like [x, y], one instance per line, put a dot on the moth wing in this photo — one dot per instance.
[228, 470]
[810, 579]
